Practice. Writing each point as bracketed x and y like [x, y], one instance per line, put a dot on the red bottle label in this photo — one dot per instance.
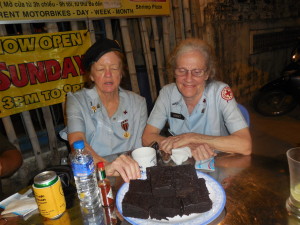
[110, 215]
[107, 197]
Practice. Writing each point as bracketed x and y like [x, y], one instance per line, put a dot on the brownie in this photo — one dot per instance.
[148, 171]
[185, 180]
[137, 205]
[161, 179]
[168, 191]
[185, 171]
[196, 203]
[166, 207]
[201, 186]
[140, 186]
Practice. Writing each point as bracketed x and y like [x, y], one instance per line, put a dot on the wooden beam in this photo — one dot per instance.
[129, 55]
[108, 28]
[158, 53]
[148, 58]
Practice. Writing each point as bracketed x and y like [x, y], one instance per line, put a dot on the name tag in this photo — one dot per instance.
[177, 116]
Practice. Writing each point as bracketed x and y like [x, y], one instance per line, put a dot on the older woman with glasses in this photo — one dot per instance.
[201, 112]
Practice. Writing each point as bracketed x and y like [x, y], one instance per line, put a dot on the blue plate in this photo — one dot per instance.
[216, 194]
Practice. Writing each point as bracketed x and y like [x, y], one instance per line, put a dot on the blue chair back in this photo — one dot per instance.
[245, 113]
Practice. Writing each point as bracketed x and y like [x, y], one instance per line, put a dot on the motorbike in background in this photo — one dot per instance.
[281, 95]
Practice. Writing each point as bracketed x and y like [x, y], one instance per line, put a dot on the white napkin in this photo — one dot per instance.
[19, 204]
[179, 155]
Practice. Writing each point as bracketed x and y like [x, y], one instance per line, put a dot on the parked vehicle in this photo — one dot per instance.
[281, 95]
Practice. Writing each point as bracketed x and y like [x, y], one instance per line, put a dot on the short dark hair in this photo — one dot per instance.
[98, 49]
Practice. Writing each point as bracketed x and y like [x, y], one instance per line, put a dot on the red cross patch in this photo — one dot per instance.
[227, 94]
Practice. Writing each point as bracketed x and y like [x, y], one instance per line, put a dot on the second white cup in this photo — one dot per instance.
[145, 157]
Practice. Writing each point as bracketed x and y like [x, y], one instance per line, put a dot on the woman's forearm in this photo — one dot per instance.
[238, 142]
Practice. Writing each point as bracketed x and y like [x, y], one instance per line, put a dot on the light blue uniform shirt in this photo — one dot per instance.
[215, 114]
[86, 113]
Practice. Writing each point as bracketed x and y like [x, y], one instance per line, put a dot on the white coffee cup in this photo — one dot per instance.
[145, 157]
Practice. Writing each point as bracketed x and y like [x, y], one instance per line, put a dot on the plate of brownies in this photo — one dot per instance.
[171, 195]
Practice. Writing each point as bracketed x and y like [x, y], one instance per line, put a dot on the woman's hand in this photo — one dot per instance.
[177, 141]
[200, 151]
[167, 144]
[124, 166]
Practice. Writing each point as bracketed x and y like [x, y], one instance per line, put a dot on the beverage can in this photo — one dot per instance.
[49, 194]
[63, 220]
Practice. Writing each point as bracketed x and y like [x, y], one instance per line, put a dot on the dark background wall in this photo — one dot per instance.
[253, 40]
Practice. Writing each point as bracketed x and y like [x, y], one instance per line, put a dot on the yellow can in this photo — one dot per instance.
[63, 220]
[49, 194]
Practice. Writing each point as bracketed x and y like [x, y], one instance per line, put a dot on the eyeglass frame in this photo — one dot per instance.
[203, 71]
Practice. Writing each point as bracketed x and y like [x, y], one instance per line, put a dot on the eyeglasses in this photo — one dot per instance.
[195, 72]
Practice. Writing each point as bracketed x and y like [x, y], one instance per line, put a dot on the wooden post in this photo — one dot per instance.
[148, 58]
[129, 55]
[159, 57]
[33, 139]
[10, 131]
[166, 37]
[74, 25]
[171, 27]
[108, 29]
[29, 125]
[177, 20]
[167, 45]
[2, 30]
[53, 146]
[90, 27]
[187, 19]
[200, 17]
[194, 16]
[51, 27]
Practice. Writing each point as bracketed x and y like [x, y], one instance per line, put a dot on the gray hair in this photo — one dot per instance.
[194, 44]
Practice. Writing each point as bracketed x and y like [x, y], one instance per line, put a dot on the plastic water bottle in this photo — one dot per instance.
[85, 177]
[93, 216]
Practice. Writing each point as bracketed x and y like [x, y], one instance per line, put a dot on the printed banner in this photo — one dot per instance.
[13, 11]
[38, 70]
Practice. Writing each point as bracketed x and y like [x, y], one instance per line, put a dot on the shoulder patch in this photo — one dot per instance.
[227, 94]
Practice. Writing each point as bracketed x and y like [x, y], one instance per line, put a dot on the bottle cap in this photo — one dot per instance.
[78, 144]
[100, 164]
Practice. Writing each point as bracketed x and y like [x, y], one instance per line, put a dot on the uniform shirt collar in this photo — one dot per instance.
[176, 97]
[95, 101]
[93, 94]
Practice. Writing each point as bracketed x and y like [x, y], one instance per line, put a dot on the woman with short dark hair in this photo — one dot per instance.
[108, 118]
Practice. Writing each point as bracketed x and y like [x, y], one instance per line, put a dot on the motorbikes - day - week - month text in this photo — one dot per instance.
[36, 9]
